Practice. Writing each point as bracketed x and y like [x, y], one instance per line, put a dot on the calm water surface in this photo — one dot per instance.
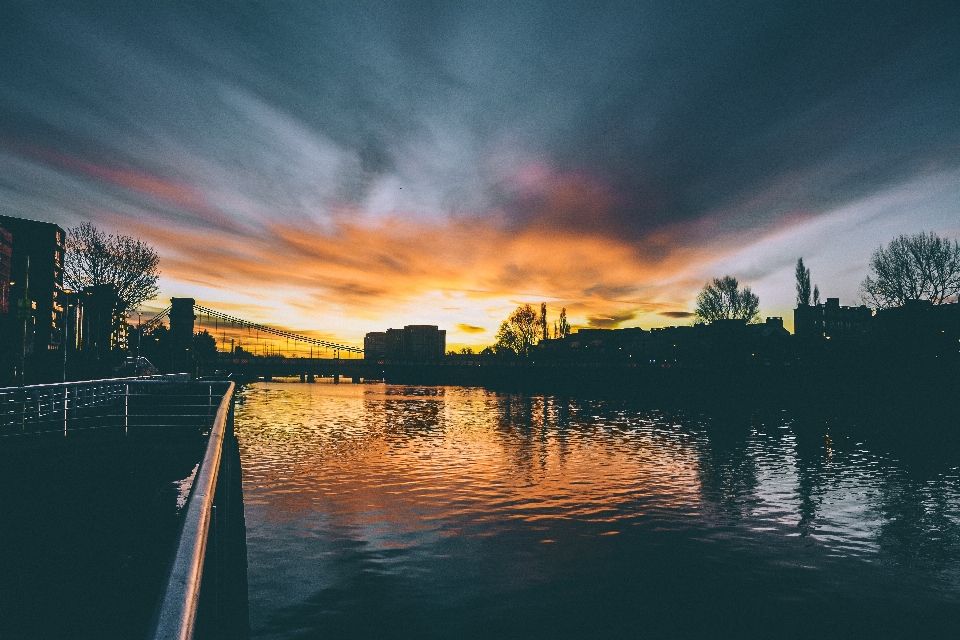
[377, 511]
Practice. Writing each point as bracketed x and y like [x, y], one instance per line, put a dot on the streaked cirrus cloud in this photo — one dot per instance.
[348, 166]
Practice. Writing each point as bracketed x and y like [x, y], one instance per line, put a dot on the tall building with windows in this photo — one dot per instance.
[423, 342]
[36, 299]
[413, 343]
[375, 345]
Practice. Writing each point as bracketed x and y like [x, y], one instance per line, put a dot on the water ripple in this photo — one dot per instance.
[407, 482]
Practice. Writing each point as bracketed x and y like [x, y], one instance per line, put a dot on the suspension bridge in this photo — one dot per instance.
[256, 338]
[254, 350]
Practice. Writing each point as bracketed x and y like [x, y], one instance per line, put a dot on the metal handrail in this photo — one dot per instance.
[165, 377]
[177, 615]
[66, 403]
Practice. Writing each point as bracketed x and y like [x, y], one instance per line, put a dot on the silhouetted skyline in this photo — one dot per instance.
[344, 166]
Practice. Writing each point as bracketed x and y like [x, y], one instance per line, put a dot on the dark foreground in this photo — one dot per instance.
[87, 528]
[87, 531]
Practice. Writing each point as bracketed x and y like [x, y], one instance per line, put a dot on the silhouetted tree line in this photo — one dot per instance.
[919, 267]
[525, 328]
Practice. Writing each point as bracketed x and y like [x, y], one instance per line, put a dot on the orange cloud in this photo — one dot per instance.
[368, 269]
[561, 245]
[466, 328]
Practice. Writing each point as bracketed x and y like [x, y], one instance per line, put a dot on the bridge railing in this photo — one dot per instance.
[197, 570]
[63, 408]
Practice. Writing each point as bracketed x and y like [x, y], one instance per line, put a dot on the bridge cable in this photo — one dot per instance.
[154, 321]
[279, 332]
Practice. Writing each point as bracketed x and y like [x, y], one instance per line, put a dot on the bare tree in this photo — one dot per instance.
[722, 299]
[94, 258]
[918, 267]
[803, 284]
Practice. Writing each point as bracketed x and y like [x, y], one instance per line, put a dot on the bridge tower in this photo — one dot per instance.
[181, 334]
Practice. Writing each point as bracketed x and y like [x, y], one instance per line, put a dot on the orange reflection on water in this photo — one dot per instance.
[393, 464]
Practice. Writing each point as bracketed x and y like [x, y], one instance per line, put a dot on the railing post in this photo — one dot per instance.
[126, 409]
[66, 399]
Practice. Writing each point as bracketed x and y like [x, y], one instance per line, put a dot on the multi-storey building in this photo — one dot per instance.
[920, 330]
[423, 342]
[413, 343]
[36, 298]
[383, 345]
[393, 344]
[375, 345]
[830, 320]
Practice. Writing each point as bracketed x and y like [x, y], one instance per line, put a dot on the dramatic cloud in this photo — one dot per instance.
[356, 166]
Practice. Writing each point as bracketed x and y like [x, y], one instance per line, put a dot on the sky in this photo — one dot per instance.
[343, 167]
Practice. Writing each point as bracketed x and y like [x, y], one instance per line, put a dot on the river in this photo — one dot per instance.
[379, 511]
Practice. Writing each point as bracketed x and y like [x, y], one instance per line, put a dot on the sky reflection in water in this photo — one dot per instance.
[388, 511]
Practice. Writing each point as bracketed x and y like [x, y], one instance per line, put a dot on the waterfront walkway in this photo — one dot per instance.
[101, 484]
